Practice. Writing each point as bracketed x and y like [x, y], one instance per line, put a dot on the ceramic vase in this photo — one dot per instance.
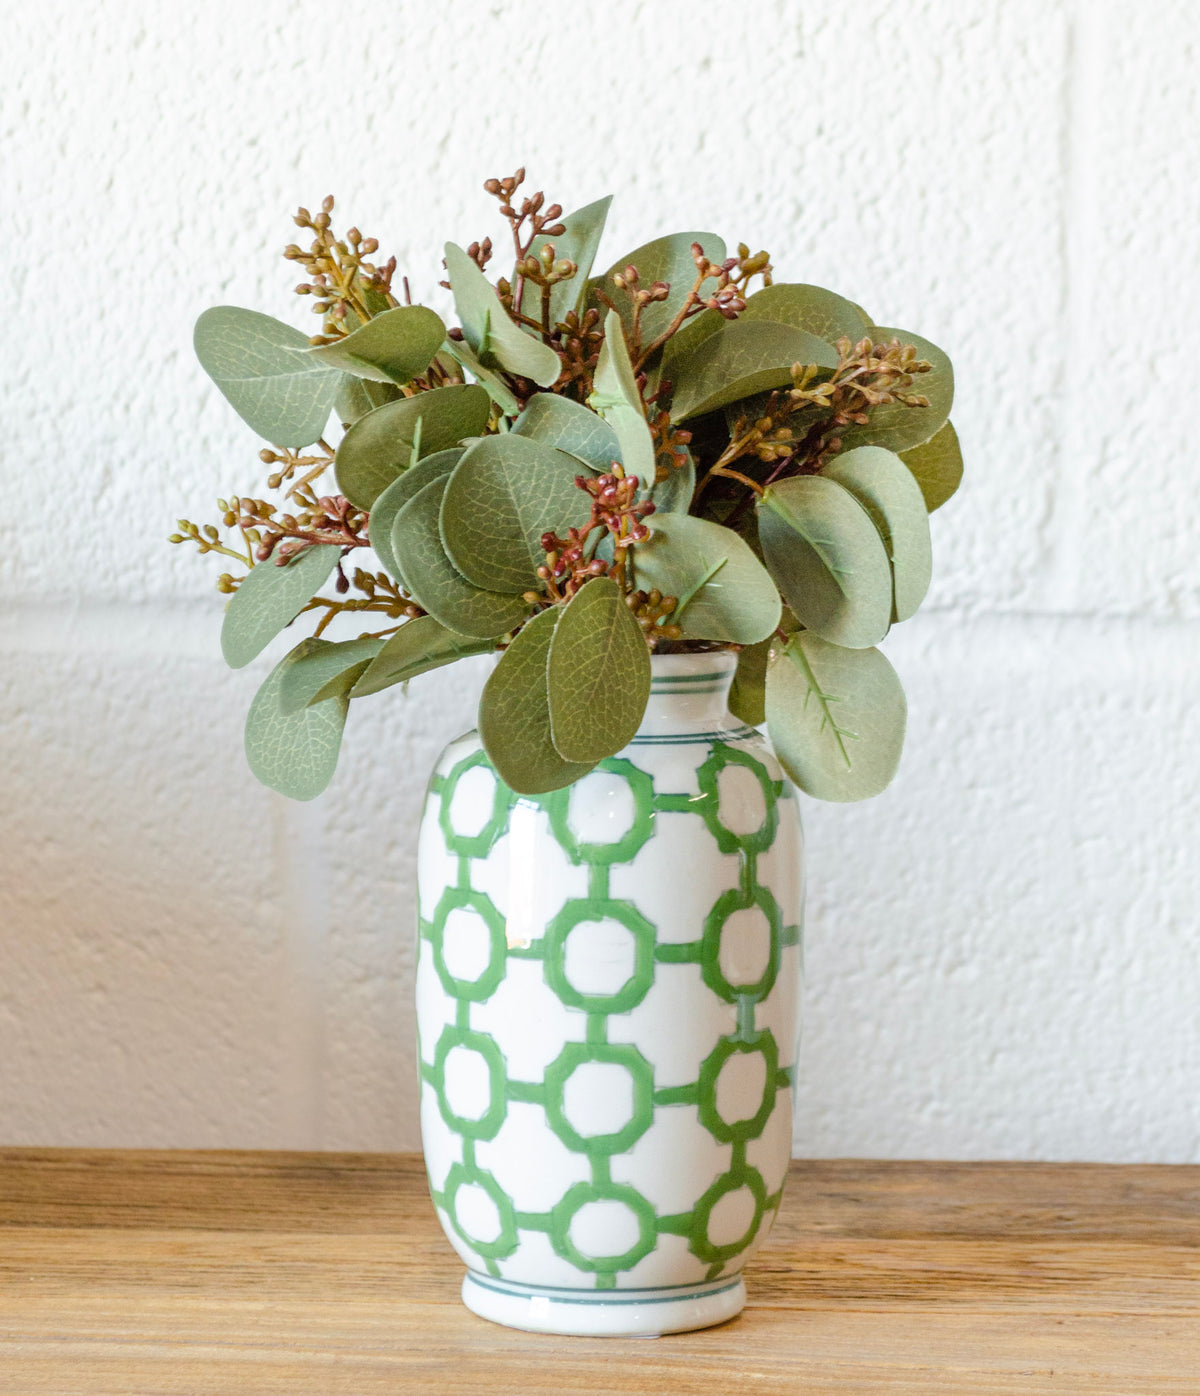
[608, 980]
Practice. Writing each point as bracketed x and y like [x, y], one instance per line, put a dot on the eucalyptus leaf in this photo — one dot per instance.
[741, 359]
[674, 494]
[328, 671]
[828, 559]
[836, 717]
[488, 379]
[435, 582]
[491, 334]
[378, 447]
[269, 598]
[419, 645]
[598, 675]
[664, 366]
[578, 244]
[937, 466]
[505, 493]
[514, 714]
[810, 308]
[723, 591]
[294, 753]
[397, 495]
[882, 484]
[896, 426]
[394, 347]
[615, 396]
[358, 396]
[666, 259]
[748, 695]
[264, 369]
[556, 421]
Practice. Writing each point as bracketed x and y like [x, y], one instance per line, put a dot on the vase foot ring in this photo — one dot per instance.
[612, 1313]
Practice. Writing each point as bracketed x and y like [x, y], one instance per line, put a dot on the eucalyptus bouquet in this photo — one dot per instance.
[678, 454]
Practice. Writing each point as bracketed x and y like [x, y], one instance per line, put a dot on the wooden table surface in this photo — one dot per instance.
[214, 1273]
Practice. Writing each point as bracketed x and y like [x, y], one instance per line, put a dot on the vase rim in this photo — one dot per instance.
[717, 663]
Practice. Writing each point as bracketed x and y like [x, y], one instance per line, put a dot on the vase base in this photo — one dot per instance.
[611, 1313]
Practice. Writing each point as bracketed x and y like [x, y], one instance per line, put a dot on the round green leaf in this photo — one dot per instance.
[397, 495]
[880, 482]
[491, 334]
[391, 348]
[269, 598]
[723, 591]
[505, 493]
[828, 559]
[598, 674]
[433, 580]
[937, 466]
[514, 714]
[836, 717]
[419, 645]
[811, 308]
[378, 447]
[327, 671]
[742, 358]
[666, 259]
[264, 369]
[358, 396]
[568, 426]
[296, 752]
[896, 426]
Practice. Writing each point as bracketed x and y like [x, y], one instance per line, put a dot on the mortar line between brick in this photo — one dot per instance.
[178, 633]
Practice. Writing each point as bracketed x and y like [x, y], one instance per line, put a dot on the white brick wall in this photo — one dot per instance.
[1003, 948]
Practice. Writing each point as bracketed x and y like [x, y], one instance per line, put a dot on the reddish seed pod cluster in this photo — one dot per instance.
[616, 510]
[616, 505]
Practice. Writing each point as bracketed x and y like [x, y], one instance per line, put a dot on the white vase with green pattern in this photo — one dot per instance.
[607, 999]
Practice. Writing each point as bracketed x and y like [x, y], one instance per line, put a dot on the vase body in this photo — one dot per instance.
[608, 981]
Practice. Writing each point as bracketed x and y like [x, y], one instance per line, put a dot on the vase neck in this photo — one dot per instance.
[689, 692]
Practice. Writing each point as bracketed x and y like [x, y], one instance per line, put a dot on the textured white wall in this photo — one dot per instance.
[1003, 948]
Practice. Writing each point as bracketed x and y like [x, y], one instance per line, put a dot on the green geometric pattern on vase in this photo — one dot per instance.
[557, 1220]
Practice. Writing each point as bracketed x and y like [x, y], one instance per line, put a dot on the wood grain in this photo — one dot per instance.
[149, 1274]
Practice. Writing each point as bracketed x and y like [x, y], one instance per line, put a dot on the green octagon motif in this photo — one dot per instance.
[575, 1055]
[710, 949]
[727, 840]
[578, 1197]
[487, 1126]
[738, 1130]
[465, 899]
[635, 988]
[698, 1242]
[473, 845]
[503, 1244]
[641, 786]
